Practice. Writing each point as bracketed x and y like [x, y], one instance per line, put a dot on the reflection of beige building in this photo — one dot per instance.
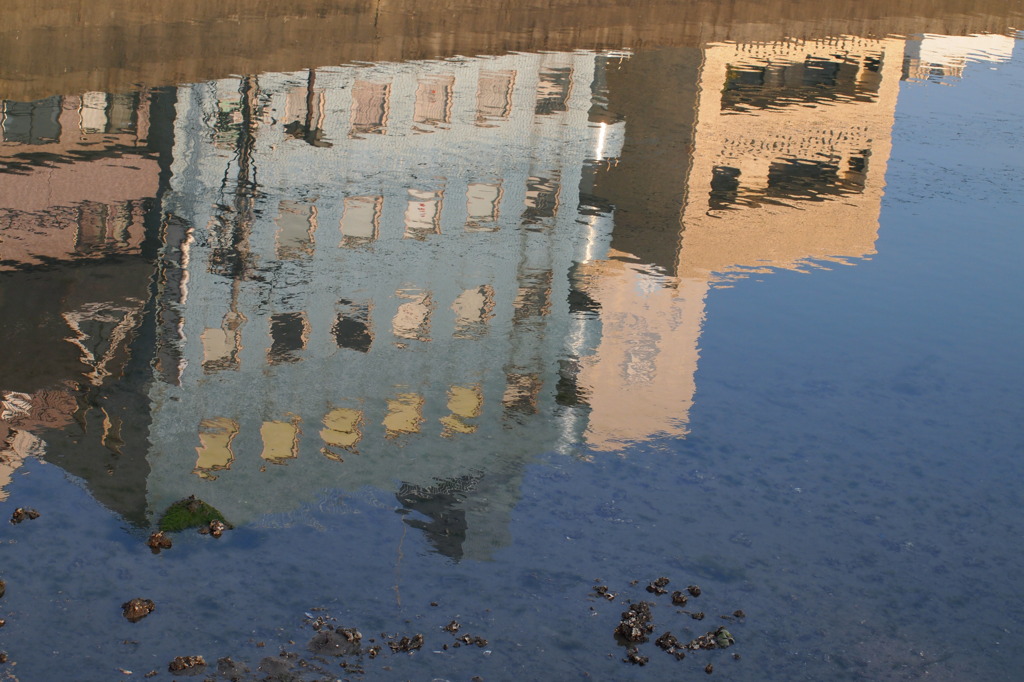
[786, 167]
[790, 153]
[80, 172]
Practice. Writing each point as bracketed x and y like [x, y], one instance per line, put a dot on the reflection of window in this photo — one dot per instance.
[360, 222]
[296, 225]
[473, 309]
[370, 104]
[352, 328]
[464, 402]
[725, 185]
[221, 345]
[341, 432]
[541, 199]
[214, 452]
[405, 414]
[288, 334]
[534, 296]
[764, 85]
[482, 202]
[93, 115]
[121, 115]
[494, 96]
[280, 440]
[35, 122]
[412, 321]
[521, 391]
[553, 90]
[423, 213]
[295, 108]
[434, 100]
[802, 179]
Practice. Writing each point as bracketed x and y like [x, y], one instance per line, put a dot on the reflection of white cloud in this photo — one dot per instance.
[937, 55]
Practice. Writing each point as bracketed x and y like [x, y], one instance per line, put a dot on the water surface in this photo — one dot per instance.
[462, 337]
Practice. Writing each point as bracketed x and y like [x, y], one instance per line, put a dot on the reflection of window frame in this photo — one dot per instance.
[543, 195]
[404, 416]
[504, 83]
[279, 354]
[420, 222]
[484, 222]
[522, 390]
[289, 244]
[355, 205]
[425, 103]
[342, 430]
[471, 321]
[215, 437]
[358, 315]
[412, 319]
[270, 432]
[370, 117]
[554, 90]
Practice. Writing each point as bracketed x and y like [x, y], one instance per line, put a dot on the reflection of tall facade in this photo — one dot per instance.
[77, 170]
[783, 155]
[399, 302]
[78, 186]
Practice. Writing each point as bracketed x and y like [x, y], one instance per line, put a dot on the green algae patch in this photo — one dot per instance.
[189, 513]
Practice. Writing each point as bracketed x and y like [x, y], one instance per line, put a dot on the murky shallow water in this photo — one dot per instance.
[479, 332]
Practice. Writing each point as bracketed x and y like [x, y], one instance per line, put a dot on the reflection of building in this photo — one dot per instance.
[78, 191]
[384, 302]
[783, 147]
[77, 171]
[935, 57]
[782, 151]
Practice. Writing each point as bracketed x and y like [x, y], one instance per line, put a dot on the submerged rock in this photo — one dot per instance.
[190, 512]
[185, 663]
[137, 609]
[636, 623]
[658, 586]
[216, 528]
[158, 541]
[21, 514]
[339, 642]
[411, 643]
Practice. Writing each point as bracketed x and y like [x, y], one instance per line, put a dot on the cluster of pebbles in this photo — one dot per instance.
[636, 625]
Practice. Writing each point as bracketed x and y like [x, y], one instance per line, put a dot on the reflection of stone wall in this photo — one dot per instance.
[111, 44]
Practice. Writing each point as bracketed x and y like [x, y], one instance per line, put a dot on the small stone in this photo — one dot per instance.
[694, 590]
[20, 514]
[658, 586]
[633, 656]
[137, 609]
[158, 541]
[709, 668]
[181, 663]
[679, 599]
